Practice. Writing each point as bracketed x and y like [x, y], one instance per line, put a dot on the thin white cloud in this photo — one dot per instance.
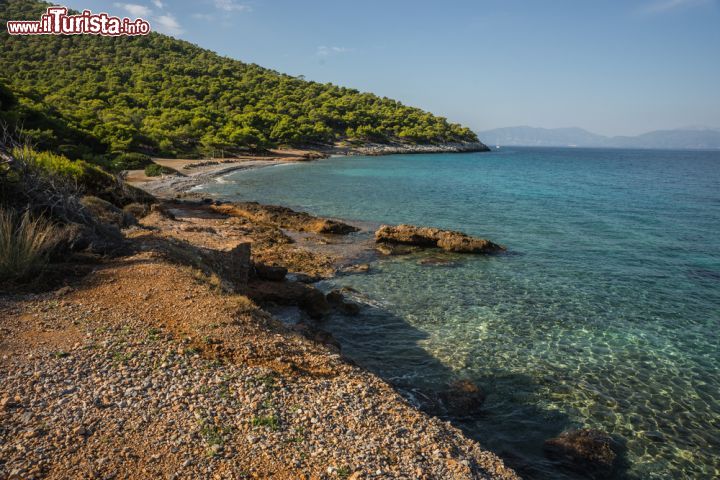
[660, 6]
[203, 16]
[325, 51]
[167, 24]
[160, 21]
[134, 9]
[231, 6]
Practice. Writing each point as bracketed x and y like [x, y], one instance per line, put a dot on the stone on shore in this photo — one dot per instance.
[429, 237]
[308, 298]
[337, 300]
[284, 217]
[591, 452]
[325, 338]
[270, 272]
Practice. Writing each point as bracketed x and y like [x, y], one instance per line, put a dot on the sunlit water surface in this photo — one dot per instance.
[605, 314]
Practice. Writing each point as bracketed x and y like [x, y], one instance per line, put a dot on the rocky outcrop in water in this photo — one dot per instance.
[429, 237]
[588, 451]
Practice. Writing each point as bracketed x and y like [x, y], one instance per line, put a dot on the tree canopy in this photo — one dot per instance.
[155, 94]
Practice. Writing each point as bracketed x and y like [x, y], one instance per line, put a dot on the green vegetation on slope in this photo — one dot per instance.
[156, 94]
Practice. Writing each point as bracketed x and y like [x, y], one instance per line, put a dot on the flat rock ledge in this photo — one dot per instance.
[284, 218]
[429, 237]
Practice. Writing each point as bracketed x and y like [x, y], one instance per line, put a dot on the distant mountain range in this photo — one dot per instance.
[680, 139]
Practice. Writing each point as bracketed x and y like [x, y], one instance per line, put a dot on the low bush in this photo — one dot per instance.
[107, 213]
[53, 183]
[25, 244]
[83, 174]
[155, 170]
[131, 161]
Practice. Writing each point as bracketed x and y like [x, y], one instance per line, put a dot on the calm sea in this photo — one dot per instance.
[605, 313]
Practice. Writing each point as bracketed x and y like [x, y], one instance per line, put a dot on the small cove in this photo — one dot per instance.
[604, 315]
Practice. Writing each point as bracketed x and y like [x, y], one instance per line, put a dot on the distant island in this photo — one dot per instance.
[678, 139]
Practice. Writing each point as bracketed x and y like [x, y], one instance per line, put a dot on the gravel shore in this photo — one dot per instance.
[169, 186]
[144, 370]
[150, 367]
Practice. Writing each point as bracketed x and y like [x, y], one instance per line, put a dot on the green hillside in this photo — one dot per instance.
[155, 94]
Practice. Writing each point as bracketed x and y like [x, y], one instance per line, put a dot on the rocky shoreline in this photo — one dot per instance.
[160, 363]
[404, 148]
[165, 360]
[283, 279]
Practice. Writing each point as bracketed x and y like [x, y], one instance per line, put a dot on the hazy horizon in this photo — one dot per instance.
[615, 68]
[567, 127]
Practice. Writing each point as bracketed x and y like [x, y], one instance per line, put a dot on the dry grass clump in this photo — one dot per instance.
[25, 243]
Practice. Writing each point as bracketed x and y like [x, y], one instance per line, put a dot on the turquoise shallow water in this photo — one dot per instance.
[605, 314]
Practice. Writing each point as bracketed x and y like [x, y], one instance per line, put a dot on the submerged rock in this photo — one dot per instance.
[589, 451]
[429, 237]
[437, 261]
[462, 398]
[394, 249]
[356, 268]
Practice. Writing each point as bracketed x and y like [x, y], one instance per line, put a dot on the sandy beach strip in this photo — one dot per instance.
[168, 186]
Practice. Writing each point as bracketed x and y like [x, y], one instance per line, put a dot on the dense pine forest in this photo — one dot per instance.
[86, 95]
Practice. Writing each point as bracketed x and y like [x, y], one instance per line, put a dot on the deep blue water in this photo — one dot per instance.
[605, 314]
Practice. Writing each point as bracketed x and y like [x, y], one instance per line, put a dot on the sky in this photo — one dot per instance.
[614, 67]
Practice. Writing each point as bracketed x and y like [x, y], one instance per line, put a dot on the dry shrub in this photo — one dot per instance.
[137, 210]
[245, 305]
[25, 244]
